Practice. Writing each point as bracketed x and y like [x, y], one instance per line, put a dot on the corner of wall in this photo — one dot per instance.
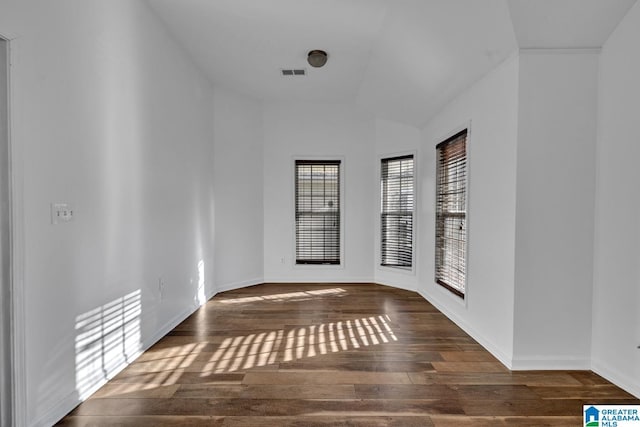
[612, 374]
[238, 285]
[503, 356]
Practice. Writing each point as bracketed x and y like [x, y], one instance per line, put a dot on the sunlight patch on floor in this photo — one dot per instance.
[302, 295]
[263, 349]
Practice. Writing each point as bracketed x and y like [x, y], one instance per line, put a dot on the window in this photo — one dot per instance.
[317, 211]
[451, 214]
[396, 214]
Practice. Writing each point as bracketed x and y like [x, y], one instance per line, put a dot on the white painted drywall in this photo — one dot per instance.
[237, 178]
[318, 131]
[112, 118]
[489, 108]
[117, 121]
[616, 297]
[394, 139]
[554, 214]
[6, 383]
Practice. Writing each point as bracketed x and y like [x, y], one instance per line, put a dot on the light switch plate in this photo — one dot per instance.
[61, 212]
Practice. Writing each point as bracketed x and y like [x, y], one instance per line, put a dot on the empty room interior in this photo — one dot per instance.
[439, 192]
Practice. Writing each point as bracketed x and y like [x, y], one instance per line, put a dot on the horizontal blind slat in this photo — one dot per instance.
[317, 204]
[451, 229]
[396, 218]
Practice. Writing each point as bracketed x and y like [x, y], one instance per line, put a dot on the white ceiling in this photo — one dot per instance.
[399, 59]
[566, 23]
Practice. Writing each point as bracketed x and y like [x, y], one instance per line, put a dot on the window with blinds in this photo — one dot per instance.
[451, 214]
[396, 214]
[317, 204]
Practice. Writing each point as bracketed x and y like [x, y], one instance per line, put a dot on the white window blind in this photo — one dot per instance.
[451, 214]
[396, 217]
[317, 191]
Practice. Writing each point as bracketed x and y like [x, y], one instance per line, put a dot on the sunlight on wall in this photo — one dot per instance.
[107, 338]
[201, 296]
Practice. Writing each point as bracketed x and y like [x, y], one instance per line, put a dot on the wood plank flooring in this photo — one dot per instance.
[332, 355]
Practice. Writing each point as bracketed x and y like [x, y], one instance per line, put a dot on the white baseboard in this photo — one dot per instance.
[67, 403]
[71, 400]
[238, 285]
[57, 411]
[168, 327]
[401, 286]
[341, 280]
[550, 363]
[546, 363]
[618, 378]
[483, 341]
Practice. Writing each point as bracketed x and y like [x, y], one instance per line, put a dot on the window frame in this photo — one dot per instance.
[341, 174]
[379, 253]
[466, 131]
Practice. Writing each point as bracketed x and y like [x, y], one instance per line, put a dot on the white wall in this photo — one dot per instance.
[616, 298]
[5, 242]
[318, 131]
[393, 139]
[111, 117]
[489, 108]
[554, 215]
[237, 177]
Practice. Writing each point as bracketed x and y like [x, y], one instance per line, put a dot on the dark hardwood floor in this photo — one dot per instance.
[332, 355]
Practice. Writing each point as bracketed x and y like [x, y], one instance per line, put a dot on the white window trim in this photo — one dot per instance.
[292, 212]
[378, 234]
[463, 302]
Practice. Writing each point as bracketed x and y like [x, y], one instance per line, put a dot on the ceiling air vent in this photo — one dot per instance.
[286, 72]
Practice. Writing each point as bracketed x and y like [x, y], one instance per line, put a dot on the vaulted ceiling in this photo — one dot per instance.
[400, 59]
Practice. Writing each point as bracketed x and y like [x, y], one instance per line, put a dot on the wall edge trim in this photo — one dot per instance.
[237, 285]
[60, 409]
[480, 338]
[551, 363]
[616, 377]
